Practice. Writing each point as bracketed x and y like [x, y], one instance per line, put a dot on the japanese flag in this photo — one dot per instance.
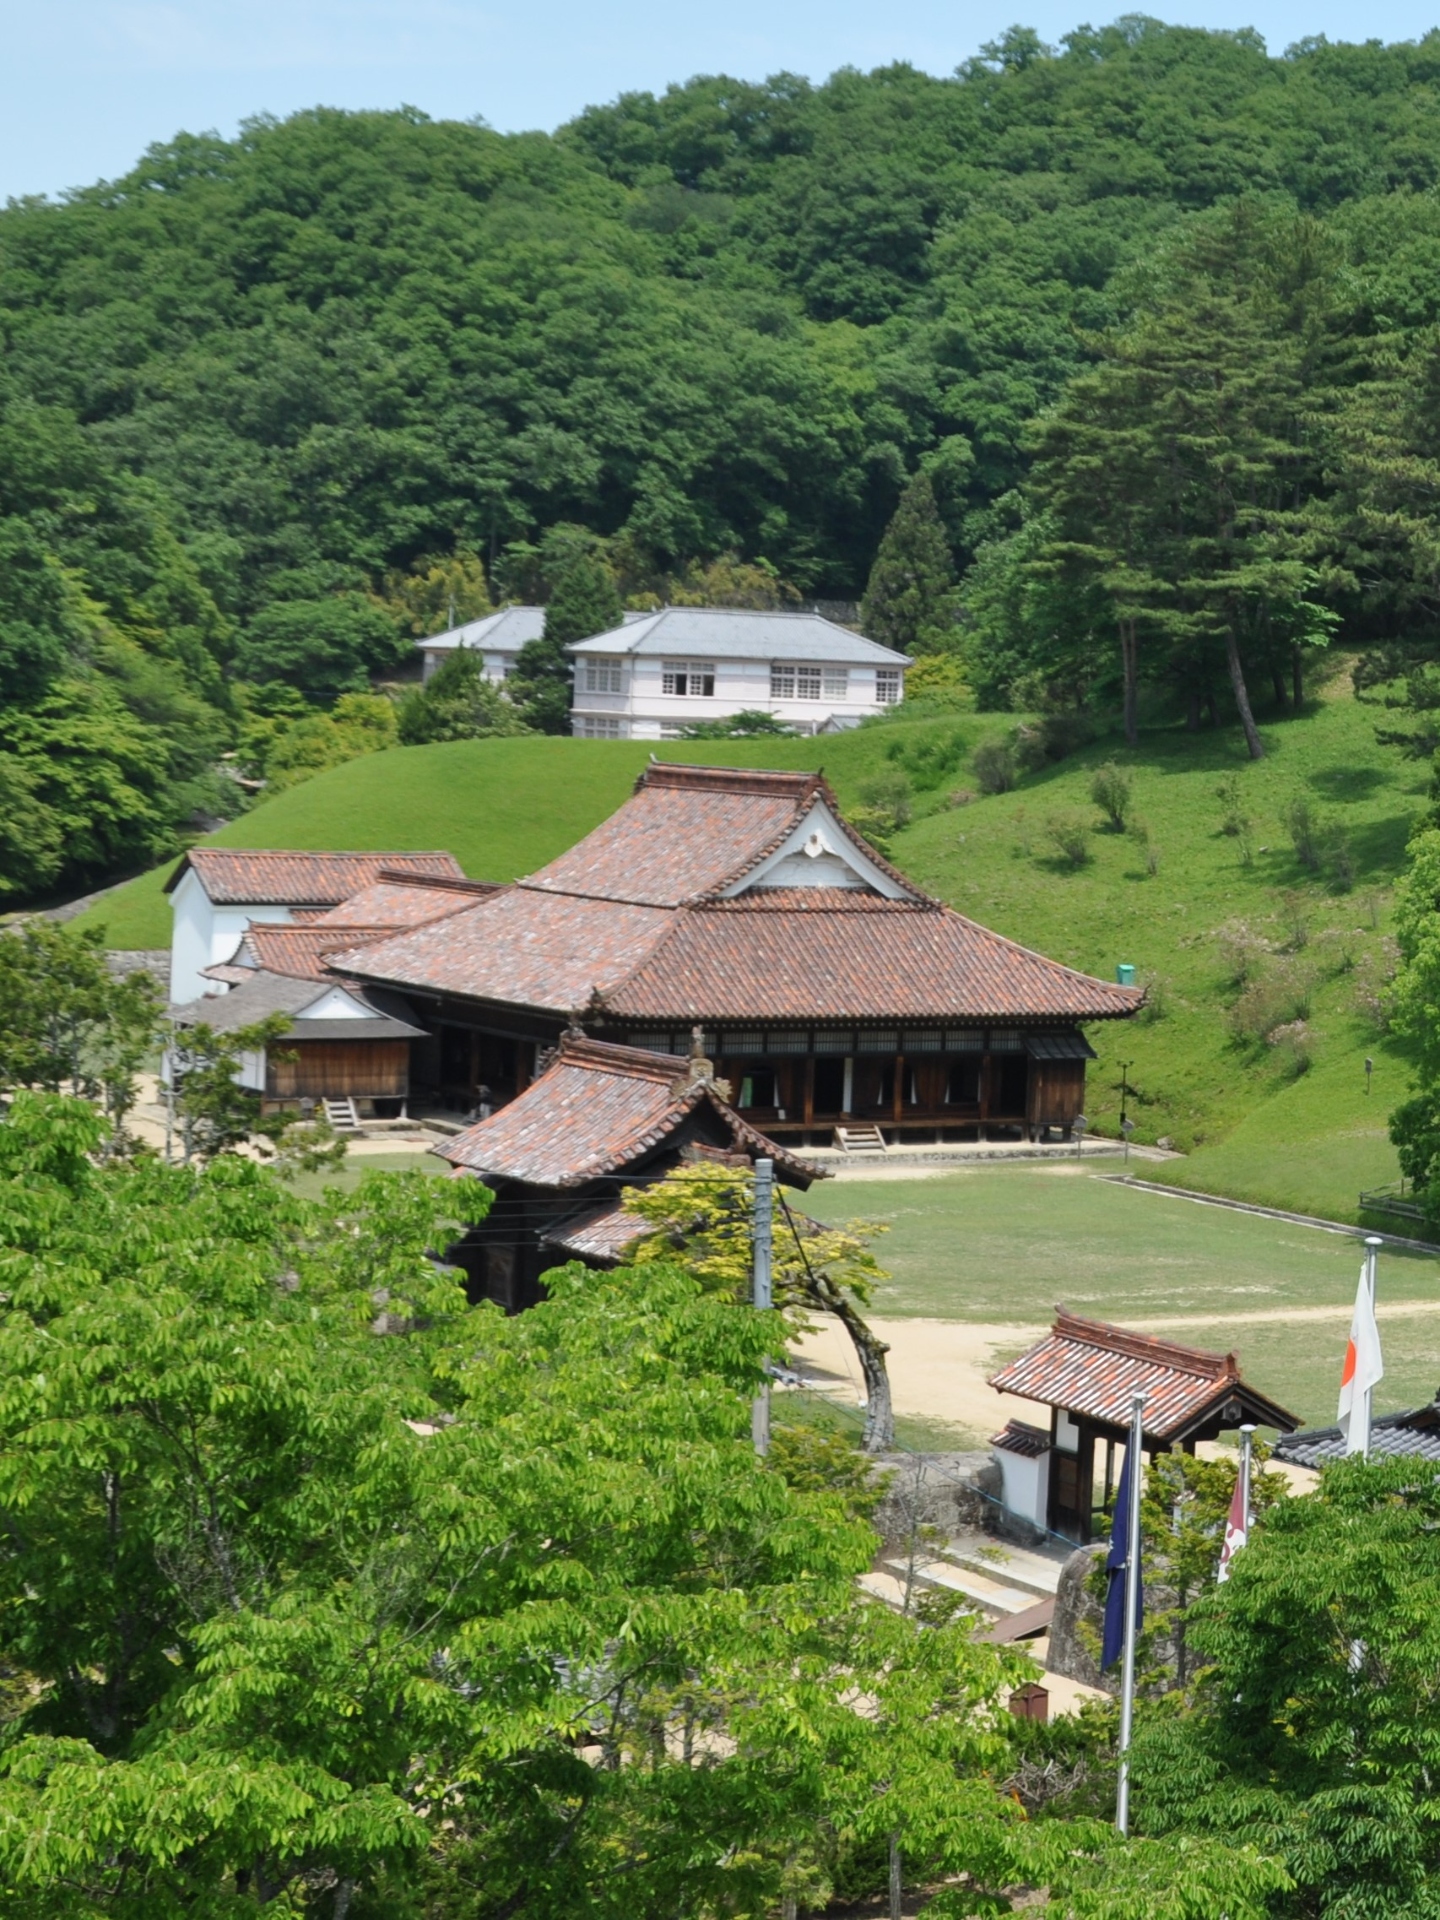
[1236, 1531]
[1363, 1370]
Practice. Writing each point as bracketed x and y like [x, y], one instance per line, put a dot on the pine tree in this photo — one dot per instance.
[908, 600]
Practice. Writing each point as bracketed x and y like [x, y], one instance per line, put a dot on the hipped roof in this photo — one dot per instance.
[742, 633]
[1091, 1368]
[654, 917]
[267, 993]
[597, 1110]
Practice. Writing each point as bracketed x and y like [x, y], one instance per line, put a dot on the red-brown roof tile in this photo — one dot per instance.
[830, 954]
[299, 952]
[684, 832]
[520, 948]
[390, 902]
[1092, 1368]
[606, 1232]
[243, 876]
[596, 1110]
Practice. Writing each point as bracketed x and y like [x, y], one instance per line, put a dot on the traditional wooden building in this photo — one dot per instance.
[829, 989]
[598, 1119]
[342, 1042]
[1087, 1373]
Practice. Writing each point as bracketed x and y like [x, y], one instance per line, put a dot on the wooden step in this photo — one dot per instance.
[860, 1139]
[342, 1115]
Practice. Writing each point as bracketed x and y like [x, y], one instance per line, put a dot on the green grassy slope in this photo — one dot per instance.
[504, 807]
[1250, 1126]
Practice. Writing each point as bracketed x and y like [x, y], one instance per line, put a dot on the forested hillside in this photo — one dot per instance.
[257, 391]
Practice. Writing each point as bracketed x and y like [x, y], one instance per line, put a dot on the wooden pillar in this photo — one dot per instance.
[808, 1098]
[897, 1103]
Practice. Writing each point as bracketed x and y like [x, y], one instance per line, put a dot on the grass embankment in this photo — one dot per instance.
[1288, 1125]
[1000, 1247]
[505, 807]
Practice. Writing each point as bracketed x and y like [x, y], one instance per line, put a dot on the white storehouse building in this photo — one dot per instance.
[663, 671]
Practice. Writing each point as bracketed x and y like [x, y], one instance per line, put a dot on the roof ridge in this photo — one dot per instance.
[401, 876]
[1200, 1361]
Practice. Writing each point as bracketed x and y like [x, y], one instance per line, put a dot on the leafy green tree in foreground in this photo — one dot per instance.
[1315, 1730]
[217, 1113]
[908, 601]
[333, 1595]
[67, 1024]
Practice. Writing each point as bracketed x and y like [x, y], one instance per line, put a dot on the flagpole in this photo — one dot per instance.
[1134, 1454]
[1373, 1244]
[1247, 1434]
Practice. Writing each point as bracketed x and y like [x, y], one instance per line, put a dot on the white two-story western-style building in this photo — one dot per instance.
[660, 673]
[499, 637]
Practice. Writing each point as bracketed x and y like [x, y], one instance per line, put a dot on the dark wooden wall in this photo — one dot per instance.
[320, 1069]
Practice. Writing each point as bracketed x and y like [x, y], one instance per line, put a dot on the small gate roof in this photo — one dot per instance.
[1093, 1369]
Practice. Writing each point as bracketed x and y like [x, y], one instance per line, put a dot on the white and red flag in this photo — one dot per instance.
[1363, 1370]
[1237, 1524]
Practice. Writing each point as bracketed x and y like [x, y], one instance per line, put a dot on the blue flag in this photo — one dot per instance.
[1114, 1642]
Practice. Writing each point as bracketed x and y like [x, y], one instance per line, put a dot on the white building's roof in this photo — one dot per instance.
[503, 632]
[740, 633]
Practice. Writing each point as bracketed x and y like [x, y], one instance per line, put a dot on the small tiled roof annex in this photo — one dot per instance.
[300, 951]
[245, 876]
[684, 832]
[598, 1233]
[827, 953]
[390, 902]
[1412, 1435]
[596, 1110]
[1091, 1368]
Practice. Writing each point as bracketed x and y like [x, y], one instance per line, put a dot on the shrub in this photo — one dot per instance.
[1274, 1000]
[1340, 859]
[1070, 833]
[1306, 834]
[1110, 790]
[1292, 1044]
[1234, 821]
[1055, 737]
[1242, 951]
[887, 797]
[993, 765]
[1149, 852]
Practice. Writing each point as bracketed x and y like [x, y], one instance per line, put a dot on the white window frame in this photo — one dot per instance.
[679, 679]
[599, 726]
[782, 680]
[836, 682]
[889, 687]
[604, 676]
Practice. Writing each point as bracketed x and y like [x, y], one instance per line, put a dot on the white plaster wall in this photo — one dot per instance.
[645, 711]
[1025, 1484]
[202, 935]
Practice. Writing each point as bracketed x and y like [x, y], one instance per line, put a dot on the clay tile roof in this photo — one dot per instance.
[1414, 1434]
[789, 954]
[1021, 1438]
[605, 1232]
[684, 832]
[393, 901]
[299, 952]
[596, 1110]
[521, 947]
[1089, 1367]
[236, 876]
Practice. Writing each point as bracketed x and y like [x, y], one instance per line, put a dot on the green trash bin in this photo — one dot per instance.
[1125, 974]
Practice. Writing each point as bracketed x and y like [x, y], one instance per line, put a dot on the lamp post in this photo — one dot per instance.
[1127, 1127]
[1077, 1127]
[1125, 1066]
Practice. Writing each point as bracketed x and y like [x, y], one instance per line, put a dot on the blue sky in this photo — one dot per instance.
[86, 85]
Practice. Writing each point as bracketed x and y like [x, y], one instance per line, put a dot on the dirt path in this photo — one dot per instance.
[938, 1368]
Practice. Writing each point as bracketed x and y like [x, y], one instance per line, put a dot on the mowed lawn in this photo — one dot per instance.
[1003, 1246]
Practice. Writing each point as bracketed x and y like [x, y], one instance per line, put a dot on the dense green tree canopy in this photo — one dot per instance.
[267, 402]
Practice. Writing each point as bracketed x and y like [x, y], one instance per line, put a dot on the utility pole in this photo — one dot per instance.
[762, 1291]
